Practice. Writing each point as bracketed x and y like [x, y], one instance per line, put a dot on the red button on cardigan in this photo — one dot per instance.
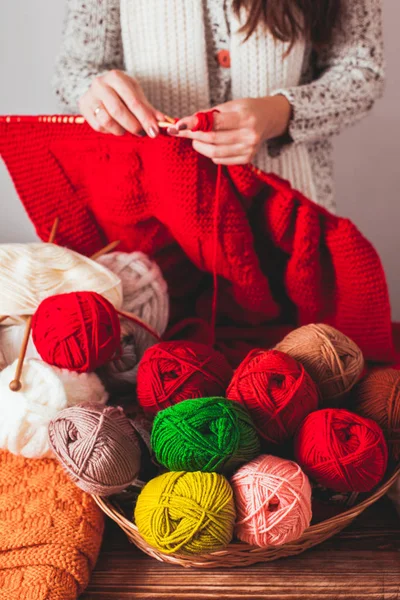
[224, 58]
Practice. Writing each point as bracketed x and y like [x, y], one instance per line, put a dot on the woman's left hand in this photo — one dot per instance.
[240, 127]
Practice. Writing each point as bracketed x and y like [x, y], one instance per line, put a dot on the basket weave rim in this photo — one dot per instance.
[333, 524]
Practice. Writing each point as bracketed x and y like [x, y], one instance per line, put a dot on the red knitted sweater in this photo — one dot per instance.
[282, 260]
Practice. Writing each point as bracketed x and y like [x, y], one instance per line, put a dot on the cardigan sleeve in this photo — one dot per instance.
[91, 45]
[349, 77]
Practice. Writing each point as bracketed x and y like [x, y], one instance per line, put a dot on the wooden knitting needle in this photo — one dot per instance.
[109, 248]
[140, 322]
[3, 318]
[15, 384]
[53, 232]
[167, 123]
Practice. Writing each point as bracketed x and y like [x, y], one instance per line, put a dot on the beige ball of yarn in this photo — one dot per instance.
[332, 359]
[45, 391]
[29, 273]
[11, 337]
[146, 296]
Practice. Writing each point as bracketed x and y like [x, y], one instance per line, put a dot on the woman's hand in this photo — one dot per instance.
[240, 127]
[115, 103]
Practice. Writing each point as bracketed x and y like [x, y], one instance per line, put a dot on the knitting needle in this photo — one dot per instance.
[135, 319]
[109, 248]
[3, 318]
[167, 122]
[15, 384]
[53, 232]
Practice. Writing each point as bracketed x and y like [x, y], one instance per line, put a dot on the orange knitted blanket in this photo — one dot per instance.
[50, 531]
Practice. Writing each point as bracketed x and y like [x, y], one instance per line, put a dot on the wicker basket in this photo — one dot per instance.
[238, 554]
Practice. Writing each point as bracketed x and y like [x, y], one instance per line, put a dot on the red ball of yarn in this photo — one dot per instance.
[277, 392]
[79, 331]
[170, 372]
[341, 450]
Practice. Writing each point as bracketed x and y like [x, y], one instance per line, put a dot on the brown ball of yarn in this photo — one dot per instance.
[332, 359]
[377, 397]
[97, 446]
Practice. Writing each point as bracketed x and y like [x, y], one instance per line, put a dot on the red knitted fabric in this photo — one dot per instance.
[281, 259]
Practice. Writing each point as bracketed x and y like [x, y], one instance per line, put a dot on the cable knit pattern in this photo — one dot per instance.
[50, 531]
[170, 46]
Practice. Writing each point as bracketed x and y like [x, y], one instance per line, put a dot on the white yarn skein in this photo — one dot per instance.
[145, 295]
[46, 390]
[11, 337]
[29, 273]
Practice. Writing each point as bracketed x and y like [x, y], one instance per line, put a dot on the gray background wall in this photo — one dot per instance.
[367, 156]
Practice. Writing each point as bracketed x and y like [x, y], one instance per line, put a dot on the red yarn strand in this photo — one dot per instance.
[205, 122]
[214, 306]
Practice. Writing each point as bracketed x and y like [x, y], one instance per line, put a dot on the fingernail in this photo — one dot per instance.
[182, 127]
[153, 132]
[172, 131]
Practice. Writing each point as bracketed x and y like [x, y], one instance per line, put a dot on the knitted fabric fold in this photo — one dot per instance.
[282, 260]
[50, 531]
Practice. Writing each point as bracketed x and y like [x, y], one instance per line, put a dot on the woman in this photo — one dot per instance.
[286, 75]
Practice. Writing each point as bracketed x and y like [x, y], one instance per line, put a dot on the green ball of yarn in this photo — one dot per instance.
[186, 513]
[204, 434]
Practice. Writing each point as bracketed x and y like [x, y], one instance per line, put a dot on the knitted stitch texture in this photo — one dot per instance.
[279, 255]
[50, 531]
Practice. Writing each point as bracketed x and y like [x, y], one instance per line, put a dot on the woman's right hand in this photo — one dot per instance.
[115, 103]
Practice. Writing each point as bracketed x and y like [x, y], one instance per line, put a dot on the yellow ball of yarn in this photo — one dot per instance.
[186, 513]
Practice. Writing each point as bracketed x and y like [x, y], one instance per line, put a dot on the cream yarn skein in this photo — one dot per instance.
[11, 337]
[146, 296]
[29, 273]
[25, 415]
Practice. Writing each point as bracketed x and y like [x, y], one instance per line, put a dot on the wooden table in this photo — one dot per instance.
[363, 562]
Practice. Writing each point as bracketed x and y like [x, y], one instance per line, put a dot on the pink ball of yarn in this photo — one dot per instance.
[97, 446]
[273, 501]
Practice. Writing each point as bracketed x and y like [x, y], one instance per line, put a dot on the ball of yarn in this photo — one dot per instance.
[77, 331]
[204, 434]
[170, 372]
[186, 513]
[341, 450]
[377, 397]
[146, 296]
[120, 373]
[29, 273]
[276, 390]
[81, 388]
[332, 359]
[97, 446]
[25, 415]
[11, 337]
[273, 501]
